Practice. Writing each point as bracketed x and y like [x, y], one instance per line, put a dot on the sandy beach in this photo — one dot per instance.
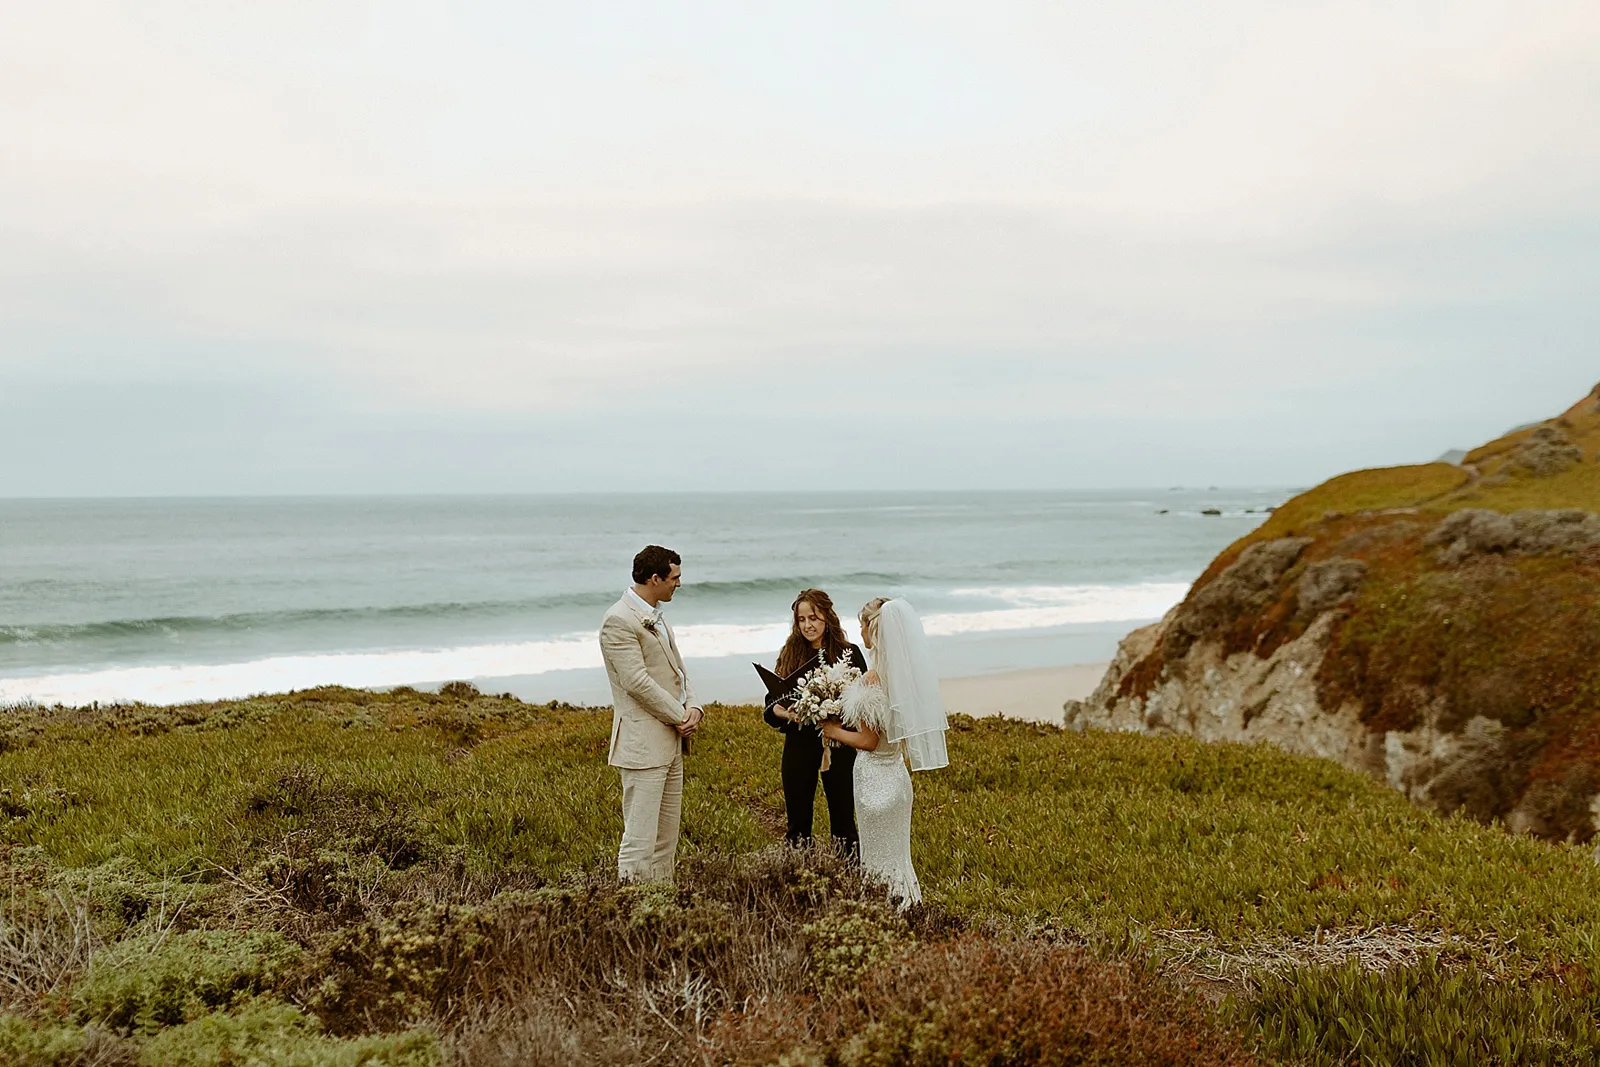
[1034, 694]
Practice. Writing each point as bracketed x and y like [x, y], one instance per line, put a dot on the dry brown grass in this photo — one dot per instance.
[1198, 958]
[46, 940]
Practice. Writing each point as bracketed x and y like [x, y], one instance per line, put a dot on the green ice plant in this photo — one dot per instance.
[328, 796]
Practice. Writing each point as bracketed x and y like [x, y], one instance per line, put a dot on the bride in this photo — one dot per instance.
[892, 714]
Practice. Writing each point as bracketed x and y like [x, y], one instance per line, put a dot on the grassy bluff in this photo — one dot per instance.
[1434, 626]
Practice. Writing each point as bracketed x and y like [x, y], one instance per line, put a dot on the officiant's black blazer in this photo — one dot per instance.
[857, 658]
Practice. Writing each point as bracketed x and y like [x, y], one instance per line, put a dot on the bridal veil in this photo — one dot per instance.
[905, 663]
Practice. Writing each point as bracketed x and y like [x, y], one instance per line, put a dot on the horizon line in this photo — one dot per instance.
[488, 494]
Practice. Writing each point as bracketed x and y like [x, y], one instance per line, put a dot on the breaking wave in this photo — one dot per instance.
[998, 609]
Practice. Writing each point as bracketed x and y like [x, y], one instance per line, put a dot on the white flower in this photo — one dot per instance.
[819, 695]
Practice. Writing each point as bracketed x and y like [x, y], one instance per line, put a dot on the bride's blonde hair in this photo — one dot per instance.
[869, 618]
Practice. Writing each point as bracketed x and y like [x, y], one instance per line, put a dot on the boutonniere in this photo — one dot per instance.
[651, 623]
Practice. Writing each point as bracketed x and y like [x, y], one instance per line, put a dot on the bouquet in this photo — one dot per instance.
[820, 696]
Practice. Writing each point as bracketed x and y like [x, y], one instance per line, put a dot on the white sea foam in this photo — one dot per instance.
[1099, 603]
[190, 682]
[1041, 606]
[193, 682]
[1028, 608]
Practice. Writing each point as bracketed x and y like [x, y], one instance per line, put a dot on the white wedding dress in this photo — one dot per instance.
[883, 796]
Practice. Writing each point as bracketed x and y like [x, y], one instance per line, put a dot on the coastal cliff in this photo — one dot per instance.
[1434, 626]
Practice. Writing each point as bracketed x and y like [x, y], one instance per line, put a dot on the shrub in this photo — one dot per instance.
[268, 1034]
[339, 816]
[52, 1045]
[330, 882]
[850, 939]
[46, 939]
[1429, 1013]
[147, 983]
[983, 1001]
[733, 927]
[391, 970]
[118, 894]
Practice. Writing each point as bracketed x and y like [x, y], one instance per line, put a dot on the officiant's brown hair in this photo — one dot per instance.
[797, 650]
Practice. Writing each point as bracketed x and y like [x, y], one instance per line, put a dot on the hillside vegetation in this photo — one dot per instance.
[1452, 614]
[341, 877]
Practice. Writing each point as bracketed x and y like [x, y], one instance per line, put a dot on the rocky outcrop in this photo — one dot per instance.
[1548, 451]
[1445, 646]
[1244, 587]
[1242, 697]
[1475, 531]
[1478, 765]
[1328, 583]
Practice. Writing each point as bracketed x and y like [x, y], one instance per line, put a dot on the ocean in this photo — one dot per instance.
[174, 600]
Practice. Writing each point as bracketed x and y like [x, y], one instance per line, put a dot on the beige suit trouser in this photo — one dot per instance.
[652, 807]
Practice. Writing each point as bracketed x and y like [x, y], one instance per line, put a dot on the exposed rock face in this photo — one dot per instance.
[1449, 769]
[1244, 587]
[1249, 699]
[1245, 658]
[1242, 697]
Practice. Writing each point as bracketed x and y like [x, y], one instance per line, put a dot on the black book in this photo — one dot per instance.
[779, 687]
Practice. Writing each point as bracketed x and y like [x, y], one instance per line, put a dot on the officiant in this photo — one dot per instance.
[815, 633]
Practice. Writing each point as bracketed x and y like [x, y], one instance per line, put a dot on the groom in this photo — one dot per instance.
[654, 714]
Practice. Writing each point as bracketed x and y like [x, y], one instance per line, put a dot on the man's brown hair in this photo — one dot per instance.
[653, 561]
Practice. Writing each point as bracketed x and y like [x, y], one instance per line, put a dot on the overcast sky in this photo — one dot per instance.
[316, 246]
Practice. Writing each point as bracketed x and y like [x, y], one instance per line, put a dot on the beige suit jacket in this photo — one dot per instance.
[646, 672]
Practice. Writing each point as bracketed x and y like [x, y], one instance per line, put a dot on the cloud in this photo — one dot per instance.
[1150, 221]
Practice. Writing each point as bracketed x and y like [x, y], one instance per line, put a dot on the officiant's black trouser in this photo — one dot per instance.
[802, 762]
